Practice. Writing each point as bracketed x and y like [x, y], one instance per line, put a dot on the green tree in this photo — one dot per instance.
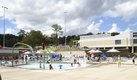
[57, 31]
[11, 40]
[1, 39]
[114, 33]
[90, 33]
[72, 39]
[34, 38]
[21, 34]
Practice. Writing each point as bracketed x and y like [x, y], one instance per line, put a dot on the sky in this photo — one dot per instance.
[77, 16]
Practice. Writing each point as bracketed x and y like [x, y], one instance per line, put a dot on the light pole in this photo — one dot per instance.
[4, 8]
[65, 28]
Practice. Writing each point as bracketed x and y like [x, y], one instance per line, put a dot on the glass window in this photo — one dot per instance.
[135, 34]
[135, 41]
[117, 41]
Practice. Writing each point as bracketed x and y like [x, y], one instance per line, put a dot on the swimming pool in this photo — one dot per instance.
[56, 66]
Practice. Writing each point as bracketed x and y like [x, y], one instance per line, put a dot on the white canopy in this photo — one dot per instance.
[113, 50]
[94, 51]
[98, 51]
[28, 52]
[91, 51]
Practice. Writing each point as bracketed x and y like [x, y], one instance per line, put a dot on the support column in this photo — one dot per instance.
[132, 49]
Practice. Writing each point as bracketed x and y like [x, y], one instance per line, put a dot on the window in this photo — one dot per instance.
[117, 41]
[135, 34]
[134, 41]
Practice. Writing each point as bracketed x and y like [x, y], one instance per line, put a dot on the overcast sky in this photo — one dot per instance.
[82, 16]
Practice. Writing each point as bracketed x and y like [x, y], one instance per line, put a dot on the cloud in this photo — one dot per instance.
[42, 14]
[114, 28]
[9, 31]
[126, 9]
[94, 27]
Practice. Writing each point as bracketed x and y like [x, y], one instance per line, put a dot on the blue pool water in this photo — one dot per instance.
[55, 66]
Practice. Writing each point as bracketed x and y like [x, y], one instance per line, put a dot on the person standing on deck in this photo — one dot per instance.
[119, 61]
[133, 59]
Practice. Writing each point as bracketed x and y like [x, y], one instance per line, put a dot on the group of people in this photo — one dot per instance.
[97, 58]
[114, 58]
[76, 60]
[6, 59]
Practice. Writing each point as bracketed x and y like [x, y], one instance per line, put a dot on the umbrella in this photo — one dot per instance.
[113, 50]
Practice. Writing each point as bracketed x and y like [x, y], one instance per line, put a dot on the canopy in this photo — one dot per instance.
[113, 50]
[98, 51]
[39, 52]
[91, 51]
[94, 51]
[45, 50]
[85, 48]
[1, 46]
[28, 52]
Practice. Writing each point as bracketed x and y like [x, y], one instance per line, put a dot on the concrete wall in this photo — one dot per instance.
[106, 43]
[98, 43]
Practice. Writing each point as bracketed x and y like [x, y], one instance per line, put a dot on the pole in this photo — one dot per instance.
[132, 42]
[65, 29]
[43, 47]
[4, 26]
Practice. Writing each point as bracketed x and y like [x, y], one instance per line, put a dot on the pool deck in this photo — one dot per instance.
[102, 71]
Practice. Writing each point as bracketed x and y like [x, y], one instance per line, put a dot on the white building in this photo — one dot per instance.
[126, 40]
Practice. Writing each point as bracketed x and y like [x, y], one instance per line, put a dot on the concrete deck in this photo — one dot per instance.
[97, 72]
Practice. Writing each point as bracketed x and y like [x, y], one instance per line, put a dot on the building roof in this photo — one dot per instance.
[7, 51]
[123, 35]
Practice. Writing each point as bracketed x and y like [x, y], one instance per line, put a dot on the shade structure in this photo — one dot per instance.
[39, 52]
[91, 51]
[28, 52]
[98, 51]
[85, 48]
[113, 51]
[94, 51]
[1, 46]
[45, 50]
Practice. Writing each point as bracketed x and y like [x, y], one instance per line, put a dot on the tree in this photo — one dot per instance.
[114, 33]
[57, 31]
[72, 39]
[34, 38]
[11, 40]
[90, 33]
[21, 34]
[1, 39]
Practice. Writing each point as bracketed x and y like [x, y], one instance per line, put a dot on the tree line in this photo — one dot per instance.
[36, 38]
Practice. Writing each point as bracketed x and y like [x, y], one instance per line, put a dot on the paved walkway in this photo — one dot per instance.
[96, 72]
